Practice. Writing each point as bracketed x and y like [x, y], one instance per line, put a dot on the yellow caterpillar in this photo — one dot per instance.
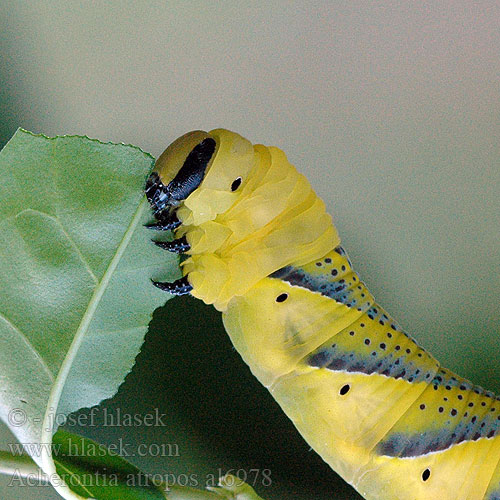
[260, 247]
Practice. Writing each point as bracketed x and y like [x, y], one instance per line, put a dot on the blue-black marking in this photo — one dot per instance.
[336, 285]
[384, 355]
[464, 425]
[390, 364]
[406, 445]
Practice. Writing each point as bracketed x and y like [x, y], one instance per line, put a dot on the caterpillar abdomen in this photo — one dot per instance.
[404, 410]
[377, 407]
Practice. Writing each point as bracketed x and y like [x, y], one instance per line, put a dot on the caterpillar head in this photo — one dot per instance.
[180, 170]
[203, 170]
[240, 212]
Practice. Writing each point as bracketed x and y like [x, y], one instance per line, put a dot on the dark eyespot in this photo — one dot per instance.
[282, 297]
[236, 184]
[426, 474]
[344, 389]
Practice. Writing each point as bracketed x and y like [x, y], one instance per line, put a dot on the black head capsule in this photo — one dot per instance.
[192, 172]
[179, 171]
[156, 193]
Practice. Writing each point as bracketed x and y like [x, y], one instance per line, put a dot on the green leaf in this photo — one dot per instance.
[93, 471]
[75, 269]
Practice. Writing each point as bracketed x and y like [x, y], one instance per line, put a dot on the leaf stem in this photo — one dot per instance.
[186, 493]
[20, 466]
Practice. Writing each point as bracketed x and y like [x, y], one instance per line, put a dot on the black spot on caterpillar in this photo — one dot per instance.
[260, 247]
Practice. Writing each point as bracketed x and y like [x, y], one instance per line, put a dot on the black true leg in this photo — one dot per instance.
[177, 287]
[165, 223]
[177, 246]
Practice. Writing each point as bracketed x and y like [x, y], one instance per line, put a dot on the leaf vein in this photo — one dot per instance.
[86, 320]
[32, 348]
[68, 236]
[72, 474]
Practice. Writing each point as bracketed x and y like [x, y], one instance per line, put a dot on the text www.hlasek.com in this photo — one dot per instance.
[80, 448]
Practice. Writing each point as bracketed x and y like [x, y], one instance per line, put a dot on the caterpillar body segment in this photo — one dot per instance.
[377, 407]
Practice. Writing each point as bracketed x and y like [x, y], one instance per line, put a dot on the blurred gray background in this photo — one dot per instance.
[392, 111]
